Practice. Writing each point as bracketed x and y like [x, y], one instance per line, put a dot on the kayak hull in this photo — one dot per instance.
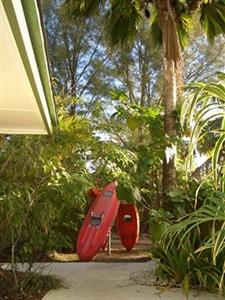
[97, 223]
[128, 225]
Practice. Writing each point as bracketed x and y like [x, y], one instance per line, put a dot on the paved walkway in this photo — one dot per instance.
[111, 281]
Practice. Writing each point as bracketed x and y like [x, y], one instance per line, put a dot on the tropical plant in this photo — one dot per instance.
[203, 113]
[203, 229]
[203, 260]
[171, 23]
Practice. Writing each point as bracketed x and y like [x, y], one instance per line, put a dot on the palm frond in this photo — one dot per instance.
[216, 151]
[212, 212]
[84, 8]
[184, 29]
[155, 30]
[213, 18]
[155, 33]
[122, 22]
[205, 104]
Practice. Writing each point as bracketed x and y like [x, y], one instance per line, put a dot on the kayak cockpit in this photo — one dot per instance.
[96, 220]
[107, 194]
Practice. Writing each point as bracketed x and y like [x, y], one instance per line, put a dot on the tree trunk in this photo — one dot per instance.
[172, 62]
[170, 100]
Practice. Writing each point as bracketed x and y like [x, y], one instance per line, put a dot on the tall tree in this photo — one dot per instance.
[170, 21]
[73, 45]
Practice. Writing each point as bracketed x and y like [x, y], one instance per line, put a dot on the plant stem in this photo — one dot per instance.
[13, 263]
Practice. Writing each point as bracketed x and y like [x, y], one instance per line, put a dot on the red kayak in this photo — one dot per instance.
[93, 193]
[128, 225]
[98, 222]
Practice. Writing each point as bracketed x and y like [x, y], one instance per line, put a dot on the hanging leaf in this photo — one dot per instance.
[133, 123]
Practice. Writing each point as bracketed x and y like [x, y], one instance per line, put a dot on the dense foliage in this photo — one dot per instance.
[192, 249]
[111, 127]
[43, 185]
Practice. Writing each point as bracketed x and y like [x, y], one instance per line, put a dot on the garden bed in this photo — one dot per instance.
[30, 286]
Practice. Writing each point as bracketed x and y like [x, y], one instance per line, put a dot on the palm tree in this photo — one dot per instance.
[171, 22]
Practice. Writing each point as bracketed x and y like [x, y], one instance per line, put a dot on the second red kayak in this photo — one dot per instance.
[98, 222]
[128, 225]
[93, 193]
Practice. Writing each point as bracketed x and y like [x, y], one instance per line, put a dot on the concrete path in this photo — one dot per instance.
[111, 281]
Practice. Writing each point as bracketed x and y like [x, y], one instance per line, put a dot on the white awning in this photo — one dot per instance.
[26, 102]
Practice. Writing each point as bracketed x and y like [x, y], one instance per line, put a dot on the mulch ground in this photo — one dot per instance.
[117, 255]
[140, 253]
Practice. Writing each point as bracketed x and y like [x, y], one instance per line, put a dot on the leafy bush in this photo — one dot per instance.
[42, 189]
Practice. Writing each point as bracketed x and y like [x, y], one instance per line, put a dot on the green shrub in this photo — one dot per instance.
[42, 190]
